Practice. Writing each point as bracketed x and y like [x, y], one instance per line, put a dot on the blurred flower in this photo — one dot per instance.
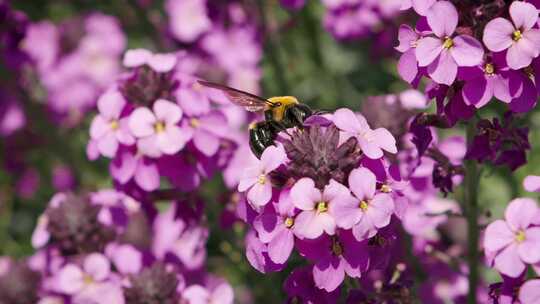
[19, 284]
[155, 284]
[196, 294]
[188, 20]
[529, 293]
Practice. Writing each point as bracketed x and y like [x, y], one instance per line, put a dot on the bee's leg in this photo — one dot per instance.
[278, 127]
[261, 136]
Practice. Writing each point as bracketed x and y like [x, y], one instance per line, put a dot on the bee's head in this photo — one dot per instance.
[301, 112]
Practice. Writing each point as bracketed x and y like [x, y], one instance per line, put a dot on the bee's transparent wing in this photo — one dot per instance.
[248, 101]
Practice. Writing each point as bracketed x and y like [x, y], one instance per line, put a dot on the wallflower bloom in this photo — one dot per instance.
[529, 293]
[368, 211]
[108, 129]
[128, 165]
[256, 181]
[316, 216]
[443, 54]
[161, 63]
[514, 241]
[188, 19]
[372, 142]
[518, 36]
[157, 132]
[197, 294]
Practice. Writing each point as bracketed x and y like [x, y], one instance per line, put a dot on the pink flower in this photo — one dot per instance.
[368, 210]
[108, 129]
[316, 216]
[514, 242]
[197, 294]
[483, 82]
[256, 181]
[419, 6]
[518, 36]
[443, 54]
[128, 165]
[206, 131]
[408, 65]
[188, 19]
[157, 131]
[161, 63]
[371, 141]
[532, 183]
[274, 227]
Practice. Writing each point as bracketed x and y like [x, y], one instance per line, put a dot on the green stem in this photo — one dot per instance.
[471, 206]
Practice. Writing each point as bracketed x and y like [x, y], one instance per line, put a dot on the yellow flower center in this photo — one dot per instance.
[448, 43]
[520, 236]
[159, 127]
[489, 69]
[87, 279]
[261, 179]
[114, 124]
[194, 122]
[336, 248]
[363, 205]
[386, 189]
[322, 207]
[516, 35]
[289, 222]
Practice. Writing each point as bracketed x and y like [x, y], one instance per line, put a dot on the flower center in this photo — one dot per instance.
[386, 189]
[114, 124]
[363, 205]
[87, 279]
[322, 207]
[529, 71]
[337, 249]
[261, 179]
[520, 236]
[194, 122]
[516, 35]
[489, 69]
[289, 222]
[448, 43]
[159, 127]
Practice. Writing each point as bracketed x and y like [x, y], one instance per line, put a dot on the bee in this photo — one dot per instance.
[280, 114]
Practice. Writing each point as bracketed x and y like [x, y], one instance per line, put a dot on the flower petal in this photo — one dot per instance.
[442, 17]
[467, 51]
[346, 120]
[206, 142]
[444, 69]
[280, 248]
[408, 66]
[362, 183]
[304, 194]
[147, 176]
[98, 266]
[520, 213]
[259, 195]
[167, 112]
[523, 14]
[529, 249]
[141, 122]
[70, 279]
[111, 104]
[162, 63]
[519, 54]
[498, 34]
[532, 183]
[385, 140]
[329, 274]
[272, 157]
[136, 57]
[509, 263]
[529, 293]
[172, 140]
[427, 50]
[497, 236]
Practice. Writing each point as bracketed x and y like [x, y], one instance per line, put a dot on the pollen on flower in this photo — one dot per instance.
[363, 205]
[448, 43]
[516, 35]
[114, 124]
[386, 189]
[289, 222]
[520, 236]
[261, 179]
[87, 279]
[194, 122]
[489, 69]
[322, 207]
[159, 127]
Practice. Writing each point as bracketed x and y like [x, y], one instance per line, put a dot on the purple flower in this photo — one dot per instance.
[274, 227]
[408, 65]
[443, 54]
[256, 180]
[368, 210]
[532, 183]
[483, 82]
[197, 294]
[316, 216]
[188, 19]
[107, 128]
[333, 257]
[257, 255]
[157, 132]
[529, 293]
[300, 286]
[514, 241]
[372, 142]
[419, 6]
[206, 131]
[161, 63]
[128, 165]
[518, 36]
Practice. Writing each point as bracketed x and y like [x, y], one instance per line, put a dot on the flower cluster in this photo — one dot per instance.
[105, 247]
[158, 121]
[326, 191]
[473, 52]
[512, 245]
[75, 61]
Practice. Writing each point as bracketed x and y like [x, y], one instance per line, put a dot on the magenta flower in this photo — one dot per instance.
[443, 54]
[256, 181]
[316, 216]
[188, 19]
[197, 294]
[157, 132]
[333, 257]
[372, 142]
[161, 63]
[206, 131]
[408, 65]
[518, 37]
[483, 82]
[529, 293]
[108, 129]
[274, 227]
[128, 165]
[368, 210]
[419, 6]
[514, 241]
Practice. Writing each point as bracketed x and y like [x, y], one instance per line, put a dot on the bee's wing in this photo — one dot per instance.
[248, 101]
